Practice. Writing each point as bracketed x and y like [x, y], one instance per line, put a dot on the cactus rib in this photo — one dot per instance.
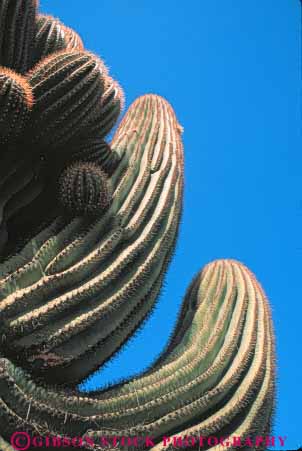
[156, 197]
[209, 380]
[87, 230]
[52, 36]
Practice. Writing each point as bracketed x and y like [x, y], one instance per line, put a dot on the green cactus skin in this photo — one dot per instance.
[215, 377]
[52, 36]
[18, 190]
[84, 189]
[17, 30]
[80, 286]
[83, 292]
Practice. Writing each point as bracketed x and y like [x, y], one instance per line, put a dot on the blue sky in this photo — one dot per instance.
[231, 69]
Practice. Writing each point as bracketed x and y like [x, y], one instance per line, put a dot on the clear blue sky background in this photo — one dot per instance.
[231, 69]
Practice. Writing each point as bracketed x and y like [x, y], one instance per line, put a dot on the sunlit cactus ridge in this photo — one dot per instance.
[87, 230]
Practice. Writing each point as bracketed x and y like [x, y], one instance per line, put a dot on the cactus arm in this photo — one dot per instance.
[224, 387]
[16, 261]
[76, 318]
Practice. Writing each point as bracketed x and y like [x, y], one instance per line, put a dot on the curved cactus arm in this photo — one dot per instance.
[73, 305]
[215, 378]
[214, 369]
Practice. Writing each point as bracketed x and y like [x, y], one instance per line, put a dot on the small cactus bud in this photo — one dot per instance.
[84, 189]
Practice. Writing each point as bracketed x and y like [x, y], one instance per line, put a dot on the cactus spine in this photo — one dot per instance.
[84, 282]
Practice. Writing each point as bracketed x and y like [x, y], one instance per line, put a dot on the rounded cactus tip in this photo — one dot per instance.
[16, 102]
[84, 189]
[14, 84]
[53, 36]
[114, 92]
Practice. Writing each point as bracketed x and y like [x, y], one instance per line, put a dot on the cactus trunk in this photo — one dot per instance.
[89, 264]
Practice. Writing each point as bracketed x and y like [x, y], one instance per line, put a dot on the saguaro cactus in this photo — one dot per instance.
[90, 269]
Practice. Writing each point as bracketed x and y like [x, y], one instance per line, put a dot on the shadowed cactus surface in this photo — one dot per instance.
[84, 189]
[16, 104]
[80, 276]
[17, 33]
[52, 36]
